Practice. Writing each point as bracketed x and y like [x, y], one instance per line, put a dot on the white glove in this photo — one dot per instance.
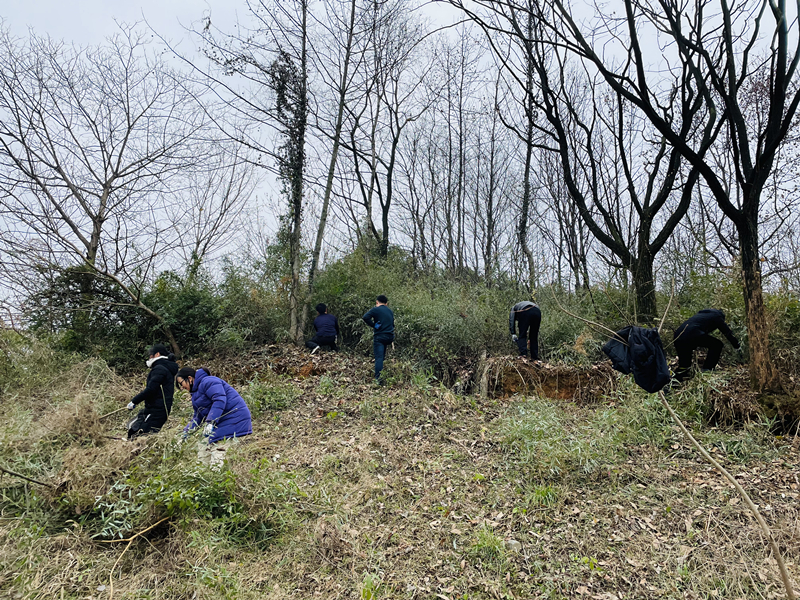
[131, 406]
[208, 429]
[514, 337]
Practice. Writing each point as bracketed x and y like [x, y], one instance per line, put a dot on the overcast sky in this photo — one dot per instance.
[90, 21]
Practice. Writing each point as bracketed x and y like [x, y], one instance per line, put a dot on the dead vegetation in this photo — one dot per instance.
[413, 491]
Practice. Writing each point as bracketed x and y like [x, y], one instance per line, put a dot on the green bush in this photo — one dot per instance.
[439, 318]
[276, 395]
[189, 308]
[252, 310]
[87, 314]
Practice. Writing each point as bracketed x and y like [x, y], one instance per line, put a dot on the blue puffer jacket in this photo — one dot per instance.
[214, 401]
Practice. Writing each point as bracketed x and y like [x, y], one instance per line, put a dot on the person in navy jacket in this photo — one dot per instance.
[381, 320]
[217, 406]
[327, 328]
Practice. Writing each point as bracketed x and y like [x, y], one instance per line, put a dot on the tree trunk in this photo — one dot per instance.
[764, 376]
[337, 138]
[642, 271]
[645, 289]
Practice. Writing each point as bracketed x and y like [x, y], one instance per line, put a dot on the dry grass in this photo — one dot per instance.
[411, 491]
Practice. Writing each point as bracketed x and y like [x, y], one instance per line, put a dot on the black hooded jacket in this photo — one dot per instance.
[160, 389]
[703, 323]
[639, 351]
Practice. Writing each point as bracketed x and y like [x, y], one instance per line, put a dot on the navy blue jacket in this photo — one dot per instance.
[326, 326]
[383, 317]
[214, 401]
[703, 323]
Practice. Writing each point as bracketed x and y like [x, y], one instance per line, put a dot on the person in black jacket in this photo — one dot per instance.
[381, 321]
[695, 333]
[327, 330]
[157, 394]
[528, 317]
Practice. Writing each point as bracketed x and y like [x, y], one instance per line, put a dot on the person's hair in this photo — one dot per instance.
[382, 299]
[185, 372]
[158, 349]
[321, 308]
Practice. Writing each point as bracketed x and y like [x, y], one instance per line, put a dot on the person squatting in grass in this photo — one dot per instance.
[694, 333]
[217, 405]
[327, 330]
[157, 394]
[381, 320]
[528, 317]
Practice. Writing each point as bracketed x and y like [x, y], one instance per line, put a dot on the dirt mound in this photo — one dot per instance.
[505, 376]
[277, 359]
[732, 402]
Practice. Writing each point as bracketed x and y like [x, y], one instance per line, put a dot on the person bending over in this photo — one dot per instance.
[527, 317]
[695, 333]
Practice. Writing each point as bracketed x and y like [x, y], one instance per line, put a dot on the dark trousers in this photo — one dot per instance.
[147, 421]
[322, 341]
[686, 348]
[528, 321]
[379, 348]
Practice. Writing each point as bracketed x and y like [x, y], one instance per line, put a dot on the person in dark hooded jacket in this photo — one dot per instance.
[157, 394]
[695, 333]
[528, 317]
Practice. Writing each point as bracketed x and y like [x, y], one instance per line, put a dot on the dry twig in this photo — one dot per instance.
[24, 477]
[113, 412]
[744, 495]
[130, 541]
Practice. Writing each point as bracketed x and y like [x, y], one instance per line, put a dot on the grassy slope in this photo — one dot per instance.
[408, 491]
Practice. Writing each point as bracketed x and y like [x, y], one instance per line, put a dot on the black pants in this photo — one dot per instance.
[529, 321]
[147, 421]
[322, 341]
[686, 348]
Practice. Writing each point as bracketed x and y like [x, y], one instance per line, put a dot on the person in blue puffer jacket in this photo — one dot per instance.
[216, 404]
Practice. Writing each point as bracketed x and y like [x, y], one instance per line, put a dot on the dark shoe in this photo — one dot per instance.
[315, 349]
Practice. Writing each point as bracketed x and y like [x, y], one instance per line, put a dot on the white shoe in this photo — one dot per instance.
[314, 350]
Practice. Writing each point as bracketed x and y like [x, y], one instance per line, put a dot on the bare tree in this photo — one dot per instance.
[599, 141]
[269, 55]
[217, 196]
[91, 142]
[716, 50]
[391, 99]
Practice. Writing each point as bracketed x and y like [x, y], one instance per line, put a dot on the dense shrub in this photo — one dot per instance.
[252, 309]
[439, 317]
[89, 315]
[188, 308]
